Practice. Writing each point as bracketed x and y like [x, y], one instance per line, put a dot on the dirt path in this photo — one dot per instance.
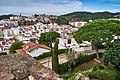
[47, 62]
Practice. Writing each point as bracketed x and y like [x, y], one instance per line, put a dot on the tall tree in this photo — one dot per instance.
[55, 62]
[48, 37]
[98, 32]
[15, 46]
[112, 55]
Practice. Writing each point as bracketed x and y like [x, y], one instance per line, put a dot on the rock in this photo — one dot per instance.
[81, 77]
[21, 66]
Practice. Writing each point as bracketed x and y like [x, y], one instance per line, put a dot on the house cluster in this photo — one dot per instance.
[8, 30]
[11, 32]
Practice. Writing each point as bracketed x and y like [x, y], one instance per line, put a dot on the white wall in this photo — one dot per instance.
[65, 41]
[36, 52]
[78, 49]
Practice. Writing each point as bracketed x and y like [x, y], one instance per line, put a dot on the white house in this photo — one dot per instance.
[71, 43]
[33, 49]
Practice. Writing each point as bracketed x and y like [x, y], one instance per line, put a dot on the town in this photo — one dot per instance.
[60, 40]
[12, 32]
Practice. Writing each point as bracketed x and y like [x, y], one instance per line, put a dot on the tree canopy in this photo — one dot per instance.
[112, 55]
[86, 16]
[60, 20]
[98, 32]
[15, 46]
[48, 37]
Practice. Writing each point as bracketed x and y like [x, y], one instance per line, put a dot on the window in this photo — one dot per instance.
[69, 41]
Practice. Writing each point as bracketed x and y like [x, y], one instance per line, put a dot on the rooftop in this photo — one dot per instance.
[21, 66]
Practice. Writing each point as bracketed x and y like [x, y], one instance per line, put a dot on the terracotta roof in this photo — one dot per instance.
[6, 75]
[20, 51]
[44, 46]
[21, 66]
[31, 46]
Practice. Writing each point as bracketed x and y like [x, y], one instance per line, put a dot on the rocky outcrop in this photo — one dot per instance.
[21, 66]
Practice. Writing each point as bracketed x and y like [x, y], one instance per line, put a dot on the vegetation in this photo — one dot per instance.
[112, 55]
[55, 63]
[3, 53]
[101, 72]
[60, 20]
[48, 54]
[98, 32]
[71, 58]
[25, 22]
[101, 75]
[86, 16]
[48, 37]
[80, 60]
[6, 16]
[15, 46]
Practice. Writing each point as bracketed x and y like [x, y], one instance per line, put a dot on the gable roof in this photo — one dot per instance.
[31, 46]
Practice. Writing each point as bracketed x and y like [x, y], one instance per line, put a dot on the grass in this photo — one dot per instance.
[78, 69]
[71, 75]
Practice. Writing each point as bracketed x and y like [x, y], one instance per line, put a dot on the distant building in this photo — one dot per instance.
[115, 19]
[77, 24]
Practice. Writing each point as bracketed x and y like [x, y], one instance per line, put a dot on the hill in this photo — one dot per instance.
[86, 16]
[117, 14]
[6, 16]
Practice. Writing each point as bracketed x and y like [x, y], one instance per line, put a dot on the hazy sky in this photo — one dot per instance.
[56, 7]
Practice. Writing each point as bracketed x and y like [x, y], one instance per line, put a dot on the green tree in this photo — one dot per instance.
[55, 63]
[98, 32]
[112, 55]
[15, 46]
[61, 21]
[48, 37]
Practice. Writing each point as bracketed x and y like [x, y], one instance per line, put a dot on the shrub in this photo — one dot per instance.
[80, 60]
[101, 67]
[94, 66]
[48, 54]
[3, 53]
[101, 75]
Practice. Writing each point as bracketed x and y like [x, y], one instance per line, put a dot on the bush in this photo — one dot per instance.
[3, 53]
[101, 75]
[80, 60]
[95, 65]
[48, 54]
[101, 67]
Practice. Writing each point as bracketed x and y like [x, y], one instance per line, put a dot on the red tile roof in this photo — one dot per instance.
[20, 51]
[31, 46]
[44, 46]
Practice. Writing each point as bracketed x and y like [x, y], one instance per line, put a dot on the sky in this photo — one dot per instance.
[56, 7]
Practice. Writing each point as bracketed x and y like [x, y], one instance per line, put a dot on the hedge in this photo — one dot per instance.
[3, 53]
[48, 54]
[80, 60]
